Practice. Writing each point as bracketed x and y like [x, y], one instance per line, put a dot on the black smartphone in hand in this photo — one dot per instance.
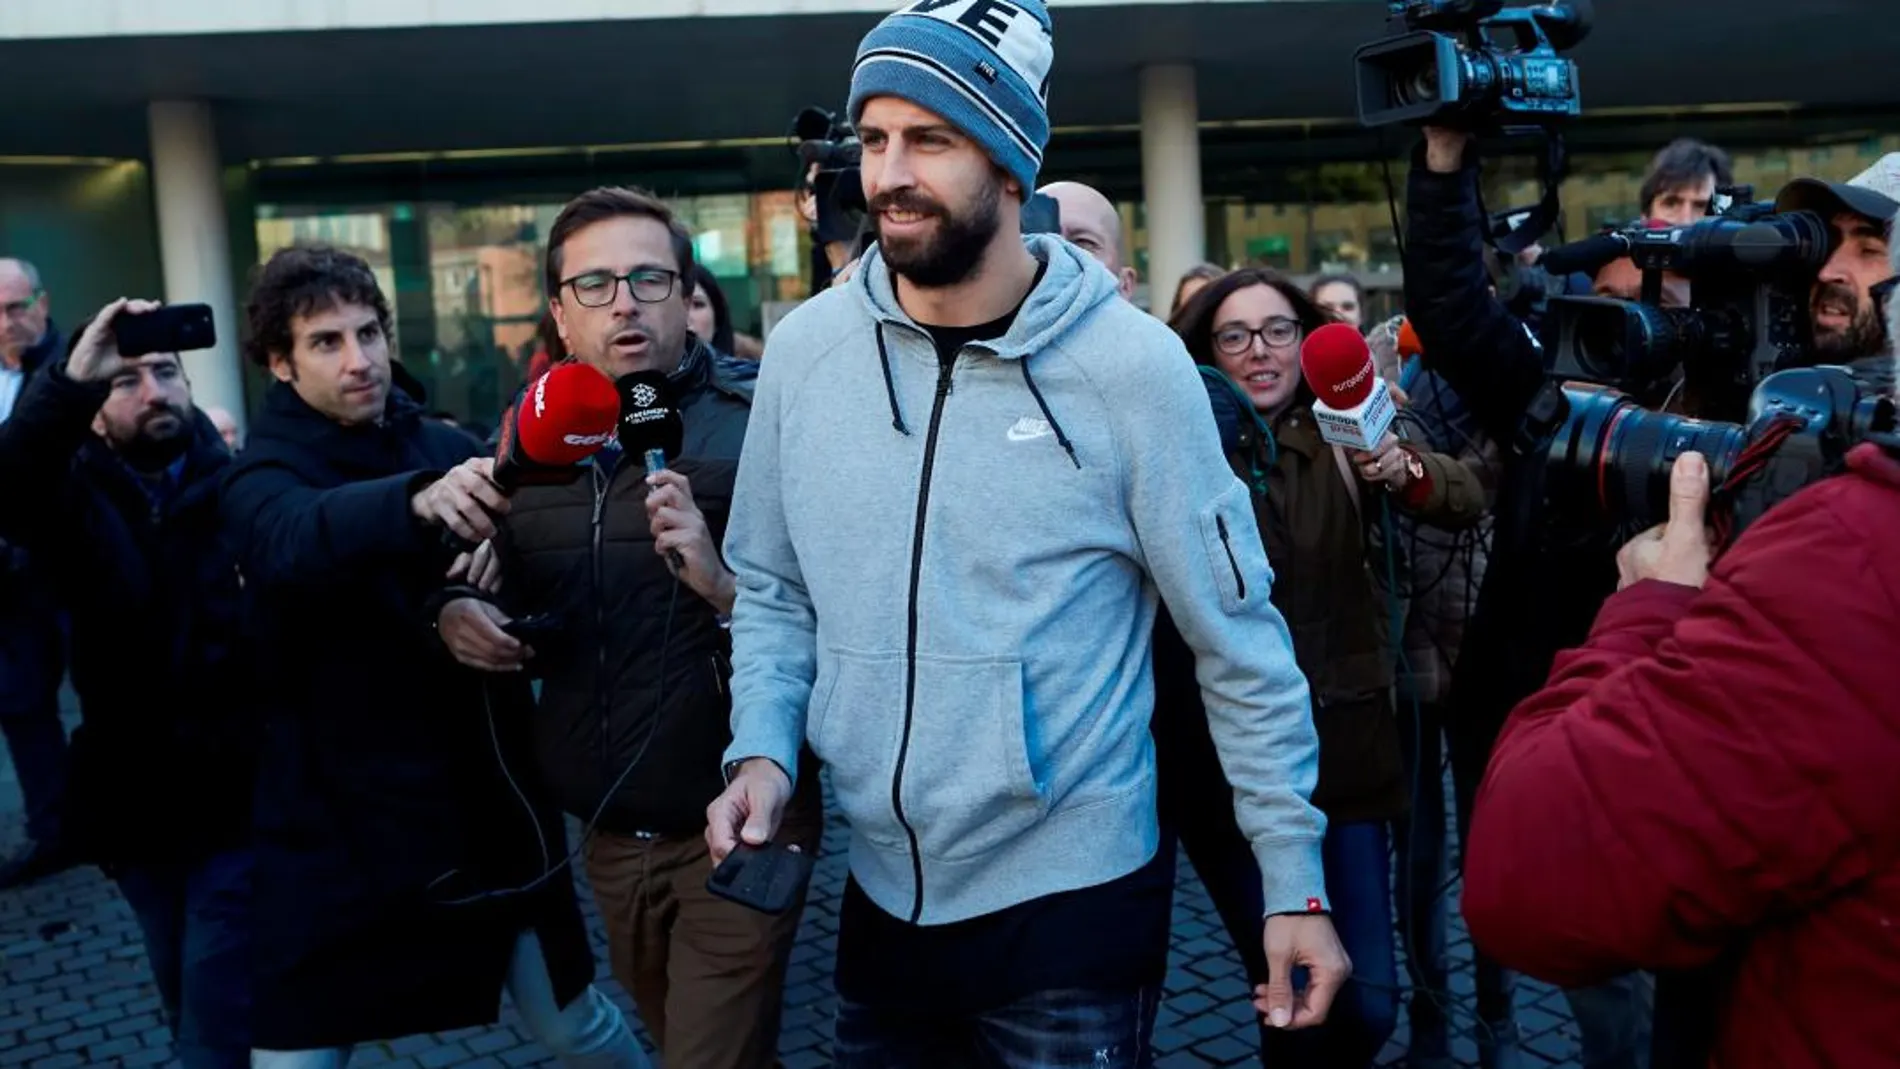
[532, 629]
[174, 328]
[766, 878]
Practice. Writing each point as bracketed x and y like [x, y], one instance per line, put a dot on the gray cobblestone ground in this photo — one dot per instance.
[75, 989]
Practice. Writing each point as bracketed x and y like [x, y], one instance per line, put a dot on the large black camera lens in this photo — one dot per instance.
[1786, 242]
[1610, 461]
[1624, 342]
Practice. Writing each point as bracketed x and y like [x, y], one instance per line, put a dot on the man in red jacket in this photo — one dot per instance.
[1716, 774]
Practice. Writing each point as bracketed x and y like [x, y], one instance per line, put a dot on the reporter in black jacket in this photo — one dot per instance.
[1543, 585]
[384, 812]
[635, 710]
[122, 473]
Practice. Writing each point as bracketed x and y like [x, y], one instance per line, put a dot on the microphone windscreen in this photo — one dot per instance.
[1337, 364]
[567, 416]
[649, 414]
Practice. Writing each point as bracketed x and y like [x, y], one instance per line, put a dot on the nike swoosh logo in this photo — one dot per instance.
[1028, 430]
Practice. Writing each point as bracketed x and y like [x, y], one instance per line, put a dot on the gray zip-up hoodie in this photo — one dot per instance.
[947, 584]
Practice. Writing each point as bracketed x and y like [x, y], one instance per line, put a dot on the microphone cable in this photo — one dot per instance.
[606, 798]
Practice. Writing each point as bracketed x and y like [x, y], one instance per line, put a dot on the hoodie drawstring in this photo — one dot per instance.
[1061, 438]
[890, 386]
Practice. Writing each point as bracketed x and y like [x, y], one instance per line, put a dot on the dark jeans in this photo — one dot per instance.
[32, 663]
[196, 920]
[1070, 1029]
[1424, 870]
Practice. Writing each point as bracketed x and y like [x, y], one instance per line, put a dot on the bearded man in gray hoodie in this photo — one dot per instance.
[970, 474]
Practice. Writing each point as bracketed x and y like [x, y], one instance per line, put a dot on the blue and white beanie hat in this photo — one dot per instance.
[981, 64]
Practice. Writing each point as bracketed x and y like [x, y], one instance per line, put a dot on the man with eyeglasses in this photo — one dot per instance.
[32, 648]
[635, 706]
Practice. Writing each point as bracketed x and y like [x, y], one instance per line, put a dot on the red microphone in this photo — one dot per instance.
[1353, 406]
[568, 415]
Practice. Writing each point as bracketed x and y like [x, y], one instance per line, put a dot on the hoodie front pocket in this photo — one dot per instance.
[970, 783]
[855, 725]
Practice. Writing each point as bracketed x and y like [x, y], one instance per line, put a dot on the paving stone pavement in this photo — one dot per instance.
[75, 989]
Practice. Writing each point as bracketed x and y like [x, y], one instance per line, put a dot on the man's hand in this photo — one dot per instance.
[1388, 464]
[749, 809]
[1294, 940]
[679, 527]
[96, 355]
[1678, 551]
[480, 569]
[466, 500]
[471, 629]
[1445, 149]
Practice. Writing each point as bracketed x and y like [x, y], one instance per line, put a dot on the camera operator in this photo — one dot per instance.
[122, 473]
[1860, 212]
[1720, 755]
[639, 668]
[387, 810]
[1540, 591]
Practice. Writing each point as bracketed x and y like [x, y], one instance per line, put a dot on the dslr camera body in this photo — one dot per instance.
[1450, 70]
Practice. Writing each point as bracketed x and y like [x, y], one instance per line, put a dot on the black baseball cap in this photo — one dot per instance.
[1872, 193]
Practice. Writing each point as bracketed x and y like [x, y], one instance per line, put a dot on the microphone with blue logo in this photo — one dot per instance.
[650, 426]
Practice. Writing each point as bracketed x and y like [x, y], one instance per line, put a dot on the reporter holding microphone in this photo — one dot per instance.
[622, 571]
[1315, 503]
[386, 808]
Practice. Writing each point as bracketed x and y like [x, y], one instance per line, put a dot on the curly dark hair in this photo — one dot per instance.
[1195, 321]
[299, 281]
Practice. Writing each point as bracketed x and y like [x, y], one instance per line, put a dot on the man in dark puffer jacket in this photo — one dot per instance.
[634, 709]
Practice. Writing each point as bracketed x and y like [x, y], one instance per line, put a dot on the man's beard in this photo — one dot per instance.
[957, 250]
[148, 451]
[1865, 335]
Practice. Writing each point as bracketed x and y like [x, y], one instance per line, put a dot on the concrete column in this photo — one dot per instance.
[194, 243]
[1171, 178]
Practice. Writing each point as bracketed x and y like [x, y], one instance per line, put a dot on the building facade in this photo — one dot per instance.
[167, 148]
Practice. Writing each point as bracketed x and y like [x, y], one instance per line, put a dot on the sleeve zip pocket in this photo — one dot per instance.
[1236, 560]
[1226, 542]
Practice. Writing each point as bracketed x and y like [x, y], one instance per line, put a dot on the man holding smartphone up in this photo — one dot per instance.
[122, 472]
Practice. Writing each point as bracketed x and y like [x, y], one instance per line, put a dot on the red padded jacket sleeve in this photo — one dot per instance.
[1705, 762]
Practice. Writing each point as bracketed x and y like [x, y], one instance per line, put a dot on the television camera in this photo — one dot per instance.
[1452, 70]
[1742, 348]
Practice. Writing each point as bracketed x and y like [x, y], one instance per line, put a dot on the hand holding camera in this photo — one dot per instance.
[1680, 550]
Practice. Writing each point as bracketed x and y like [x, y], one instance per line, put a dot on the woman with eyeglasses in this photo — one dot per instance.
[1323, 513]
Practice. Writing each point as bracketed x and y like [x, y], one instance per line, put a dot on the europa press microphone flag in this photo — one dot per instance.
[1353, 408]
